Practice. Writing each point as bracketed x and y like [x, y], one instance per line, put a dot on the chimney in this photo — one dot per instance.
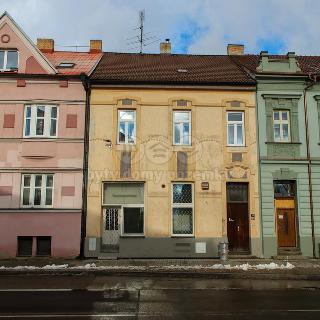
[235, 49]
[45, 45]
[165, 47]
[95, 46]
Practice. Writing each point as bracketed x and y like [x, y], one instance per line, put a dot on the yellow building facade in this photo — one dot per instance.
[172, 171]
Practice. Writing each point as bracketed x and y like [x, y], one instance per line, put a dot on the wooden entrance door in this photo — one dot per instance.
[238, 217]
[238, 226]
[286, 227]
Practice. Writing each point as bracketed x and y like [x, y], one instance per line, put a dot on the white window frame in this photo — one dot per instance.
[181, 123]
[182, 205]
[126, 127]
[5, 59]
[281, 122]
[235, 131]
[33, 121]
[32, 190]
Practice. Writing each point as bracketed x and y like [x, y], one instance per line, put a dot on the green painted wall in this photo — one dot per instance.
[288, 161]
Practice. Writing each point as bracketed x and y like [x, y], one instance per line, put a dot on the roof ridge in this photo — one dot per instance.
[244, 70]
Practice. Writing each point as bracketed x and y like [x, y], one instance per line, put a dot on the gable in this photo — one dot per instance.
[31, 60]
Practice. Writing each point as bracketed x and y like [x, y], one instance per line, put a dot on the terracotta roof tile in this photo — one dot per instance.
[169, 68]
[84, 61]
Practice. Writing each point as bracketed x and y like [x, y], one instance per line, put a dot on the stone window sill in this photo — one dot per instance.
[282, 143]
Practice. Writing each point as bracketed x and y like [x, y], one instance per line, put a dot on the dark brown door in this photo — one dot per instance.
[238, 217]
[286, 225]
[238, 226]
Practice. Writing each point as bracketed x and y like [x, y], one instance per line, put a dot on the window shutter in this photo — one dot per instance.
[182, 164]
[125, 164]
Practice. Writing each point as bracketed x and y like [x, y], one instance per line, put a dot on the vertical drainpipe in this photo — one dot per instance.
[259, 172]
[309, 162]
[86, 84]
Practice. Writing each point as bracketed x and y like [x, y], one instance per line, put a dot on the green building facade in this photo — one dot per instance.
[288, 109]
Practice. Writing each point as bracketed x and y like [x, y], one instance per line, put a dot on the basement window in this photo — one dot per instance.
[43, 246]
[24, 246]
[66, 64]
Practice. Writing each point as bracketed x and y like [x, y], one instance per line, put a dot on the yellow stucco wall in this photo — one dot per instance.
[209, 157]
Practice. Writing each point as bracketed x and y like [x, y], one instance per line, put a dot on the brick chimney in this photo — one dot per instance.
[165, 47]
[95, 46]
[45, 45]
[235, 49]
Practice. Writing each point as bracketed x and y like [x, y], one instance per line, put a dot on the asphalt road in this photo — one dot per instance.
[146, 298]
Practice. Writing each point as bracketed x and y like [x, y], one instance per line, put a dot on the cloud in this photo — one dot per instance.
[194, 26]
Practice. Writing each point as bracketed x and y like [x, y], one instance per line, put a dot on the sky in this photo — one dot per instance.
[193, 26]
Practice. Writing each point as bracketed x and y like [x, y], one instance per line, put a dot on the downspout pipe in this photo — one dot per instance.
[313, 79]
[87, 87]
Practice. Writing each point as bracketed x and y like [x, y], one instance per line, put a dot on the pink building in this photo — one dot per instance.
[42, 121]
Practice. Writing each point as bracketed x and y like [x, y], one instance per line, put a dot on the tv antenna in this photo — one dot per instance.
[143, 39]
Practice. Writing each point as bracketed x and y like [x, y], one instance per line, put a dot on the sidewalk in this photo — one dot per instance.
[243, 268]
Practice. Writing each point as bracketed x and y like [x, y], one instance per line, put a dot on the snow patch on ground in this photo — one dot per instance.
[219, 266]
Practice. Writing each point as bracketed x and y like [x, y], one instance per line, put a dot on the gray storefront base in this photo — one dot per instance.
[157, 248]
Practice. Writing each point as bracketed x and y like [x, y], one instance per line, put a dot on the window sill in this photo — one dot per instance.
[273, 142]
[236, 146]
[177, 236]
[39, 137]
[132, 236]
[36, 208]
[9, 70]
[182, 145]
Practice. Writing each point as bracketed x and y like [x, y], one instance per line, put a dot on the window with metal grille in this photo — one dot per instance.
[182, 209]
[112, 219]
[43, 246]
[24, 248]
[281, 126]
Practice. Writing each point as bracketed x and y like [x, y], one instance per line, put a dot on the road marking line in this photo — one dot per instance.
[30, 290]
[67, 315]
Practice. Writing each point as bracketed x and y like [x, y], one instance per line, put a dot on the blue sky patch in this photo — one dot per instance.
[272, 45]
[186, 34]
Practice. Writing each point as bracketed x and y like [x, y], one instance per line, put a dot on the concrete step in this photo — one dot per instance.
[290, 257]
[241, 256]
[108, 256]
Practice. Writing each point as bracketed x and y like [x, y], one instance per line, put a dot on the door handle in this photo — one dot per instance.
[230, 220]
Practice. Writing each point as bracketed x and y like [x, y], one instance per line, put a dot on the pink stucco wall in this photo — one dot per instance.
[63, 227]
[24, 52]
[61, 156]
